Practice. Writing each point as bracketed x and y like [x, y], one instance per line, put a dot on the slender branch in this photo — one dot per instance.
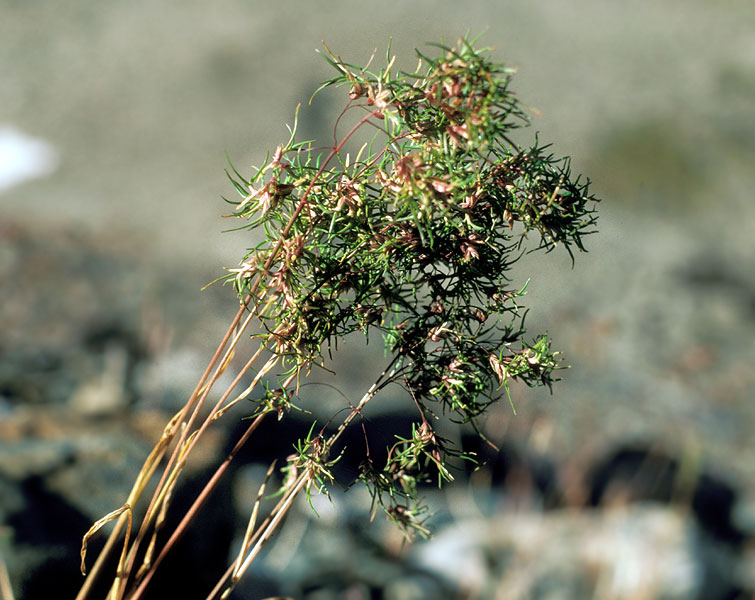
[267, 528]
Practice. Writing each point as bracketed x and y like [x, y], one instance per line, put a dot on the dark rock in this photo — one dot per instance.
[641, 473]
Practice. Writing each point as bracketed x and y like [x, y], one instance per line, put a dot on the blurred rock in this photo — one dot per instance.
[642, 473]
[635, 552]
[106, 393]
[34, 457]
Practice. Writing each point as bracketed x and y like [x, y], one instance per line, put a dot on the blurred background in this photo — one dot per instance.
[634, 480]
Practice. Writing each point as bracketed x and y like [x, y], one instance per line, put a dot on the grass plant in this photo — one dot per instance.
[410, 237]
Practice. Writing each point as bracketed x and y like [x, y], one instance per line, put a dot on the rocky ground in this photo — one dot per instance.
[634, 480]
[588, 497]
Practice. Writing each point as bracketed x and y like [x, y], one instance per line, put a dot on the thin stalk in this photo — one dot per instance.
[229, 572]
[184, 454]
[170, 468]
[115, 533]
[267, 533]
[269, 526]
[181, 528]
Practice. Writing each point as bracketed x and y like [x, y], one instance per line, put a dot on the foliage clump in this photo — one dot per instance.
[412, 238]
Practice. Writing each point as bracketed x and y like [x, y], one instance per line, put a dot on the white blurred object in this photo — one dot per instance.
[23, 157]
[638, 551]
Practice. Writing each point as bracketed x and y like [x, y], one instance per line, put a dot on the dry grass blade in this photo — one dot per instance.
[163, 504]
[200, 499]
[145, 474]
[185, 445]
[245, 544]
[126, 508]
[277, 515]
[262, 372]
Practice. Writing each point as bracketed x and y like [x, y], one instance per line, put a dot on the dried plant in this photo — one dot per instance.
[411, 238]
